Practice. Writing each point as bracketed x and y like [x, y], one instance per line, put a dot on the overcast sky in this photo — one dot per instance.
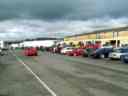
[20, 19]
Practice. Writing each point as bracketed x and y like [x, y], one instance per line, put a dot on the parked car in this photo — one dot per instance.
[30, 52]
[124, 58]
[42, 49]
[75, 52]
[1, 52]
[66, 49]
[102, 52]
[87, 52]
[118, 52]
[56, 50]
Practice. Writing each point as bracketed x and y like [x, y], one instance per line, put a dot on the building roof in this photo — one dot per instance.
[104, 30]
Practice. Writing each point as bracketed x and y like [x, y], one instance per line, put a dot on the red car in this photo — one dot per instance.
[76, 52]
[31, 52]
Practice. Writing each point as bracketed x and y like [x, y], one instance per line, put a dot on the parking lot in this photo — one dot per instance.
[58, 75]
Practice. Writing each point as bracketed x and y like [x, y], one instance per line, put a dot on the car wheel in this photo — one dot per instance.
[74, 54]
[85, 55]
[106, 55]
[111, 58]
[102, 56]
[122, 60]
[36, 54]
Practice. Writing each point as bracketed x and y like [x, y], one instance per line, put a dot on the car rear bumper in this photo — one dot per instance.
[114, 57]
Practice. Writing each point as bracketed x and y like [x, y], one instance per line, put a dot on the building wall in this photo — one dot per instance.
[100, 36]
[123, 35]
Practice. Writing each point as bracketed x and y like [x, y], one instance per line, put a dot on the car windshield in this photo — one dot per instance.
[69, 48]
[100, 49]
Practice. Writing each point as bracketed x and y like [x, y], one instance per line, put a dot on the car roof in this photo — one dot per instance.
[122, 48]
[107, 47]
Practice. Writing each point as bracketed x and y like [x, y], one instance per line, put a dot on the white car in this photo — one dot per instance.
[118, 52]
[1, 52]
[66, 49]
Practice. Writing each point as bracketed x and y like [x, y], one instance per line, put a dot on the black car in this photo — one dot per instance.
[87, 52]
[102, 53]
[124, 58]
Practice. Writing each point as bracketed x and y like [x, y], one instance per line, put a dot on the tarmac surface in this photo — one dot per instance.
[62, 75]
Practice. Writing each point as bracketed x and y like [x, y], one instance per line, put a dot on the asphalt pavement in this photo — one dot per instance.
[62, 75]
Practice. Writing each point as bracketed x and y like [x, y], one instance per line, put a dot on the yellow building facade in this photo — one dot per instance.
[107, 36]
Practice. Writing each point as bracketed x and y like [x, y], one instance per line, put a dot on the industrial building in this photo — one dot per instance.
[115, 36]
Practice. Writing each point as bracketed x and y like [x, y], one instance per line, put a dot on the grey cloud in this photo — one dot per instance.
[59, 18]
[113, 8]
[47, 9]
[24, 28]
[62, 9]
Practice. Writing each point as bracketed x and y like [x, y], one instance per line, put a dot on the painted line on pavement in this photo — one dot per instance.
[34, 74]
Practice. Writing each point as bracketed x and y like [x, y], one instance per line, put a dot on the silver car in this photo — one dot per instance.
[117, 52]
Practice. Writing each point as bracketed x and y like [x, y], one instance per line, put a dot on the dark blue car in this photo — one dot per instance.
[124, 58]
[102, 53]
